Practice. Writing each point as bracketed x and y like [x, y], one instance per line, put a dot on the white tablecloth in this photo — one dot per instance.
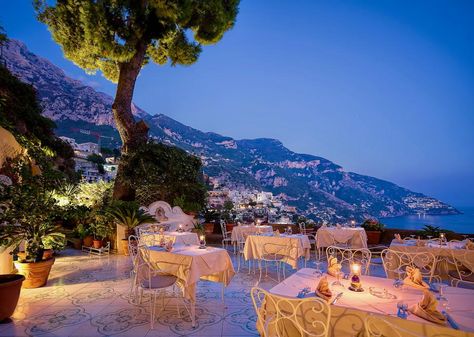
[348, 314]
[239, 231]
[189, 264]
[297, 246]
[327, 235]
[185, 238]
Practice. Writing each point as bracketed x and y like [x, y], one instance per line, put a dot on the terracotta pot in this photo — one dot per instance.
[373, 237]
[76, 243]
[10, 286]
[36, 273]
[97, 243]
[87, 241]
[125, 247]
[47, 254]
[208, 228]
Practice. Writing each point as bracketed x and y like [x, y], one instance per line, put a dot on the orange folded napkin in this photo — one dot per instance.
[322, 290]
[469, 245]
[427, 309]
[333, 266]
[398, 238]
[414, 278]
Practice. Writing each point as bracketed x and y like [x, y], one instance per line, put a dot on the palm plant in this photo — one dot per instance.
[128, 214]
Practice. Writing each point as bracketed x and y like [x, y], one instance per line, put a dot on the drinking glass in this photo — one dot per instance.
[318, 271]
[338, 282]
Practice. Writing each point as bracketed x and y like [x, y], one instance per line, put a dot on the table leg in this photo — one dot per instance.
[193, 314]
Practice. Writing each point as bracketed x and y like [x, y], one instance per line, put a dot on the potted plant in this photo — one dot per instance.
[373, 229]
[28, 217]
[101, 228]
[128, 215]
[79, 234]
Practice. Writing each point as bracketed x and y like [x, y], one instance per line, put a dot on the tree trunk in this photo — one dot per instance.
[133, 134]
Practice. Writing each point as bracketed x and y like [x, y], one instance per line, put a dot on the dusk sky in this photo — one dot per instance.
[384, 88]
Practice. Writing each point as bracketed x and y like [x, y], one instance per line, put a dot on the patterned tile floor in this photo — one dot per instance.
[89, 296]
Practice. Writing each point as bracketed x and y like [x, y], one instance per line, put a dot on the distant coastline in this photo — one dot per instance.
[460, 223]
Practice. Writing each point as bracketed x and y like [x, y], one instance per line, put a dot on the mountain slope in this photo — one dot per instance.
[315, 185]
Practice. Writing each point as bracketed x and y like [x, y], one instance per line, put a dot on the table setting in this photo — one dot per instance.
[429, 311]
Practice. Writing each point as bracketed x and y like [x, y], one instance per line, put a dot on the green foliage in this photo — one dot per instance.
[128, 214]
[186, 205]
[56, 242]
[161, 172]
[101, 225]
[29, 213]
[100, 35]
[429, 230]
[228, 205]
[21, 115]
[81, 231]
[372, 225]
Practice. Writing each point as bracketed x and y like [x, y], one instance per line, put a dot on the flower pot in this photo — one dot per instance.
[208, 228]
[97, 244]
[373, 237]
[36, 273]
[76, 243]
[87, 241]
[10, 286]
[47, 254]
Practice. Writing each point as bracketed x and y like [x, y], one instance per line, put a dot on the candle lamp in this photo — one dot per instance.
[180, 228]
[442, 238]
[202, 242]
[356, 284]
[353, 223]
[289, 231]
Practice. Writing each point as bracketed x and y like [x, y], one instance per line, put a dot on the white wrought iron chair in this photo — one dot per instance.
[396, 262]
[152, 278]
[226, 235]
[279, 316]
[279, 254]
[348, 256]
[376, 326]
[460, 267]
[133, 244]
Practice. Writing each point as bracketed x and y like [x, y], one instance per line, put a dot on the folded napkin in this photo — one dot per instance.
[414, 278]
[420, 243]
[333, 266]
[276, 233]
[469, 245]
[427, 309]
[322, 290]
[398, 238]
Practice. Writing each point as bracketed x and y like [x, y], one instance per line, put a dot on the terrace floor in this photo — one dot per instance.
[89, 296]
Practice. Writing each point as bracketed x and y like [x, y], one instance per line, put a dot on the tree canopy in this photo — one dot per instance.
[100, 35]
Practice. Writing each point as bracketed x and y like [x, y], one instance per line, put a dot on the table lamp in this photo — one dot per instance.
[353, 223]
[180, 228]
[356, 285]
[202, 242]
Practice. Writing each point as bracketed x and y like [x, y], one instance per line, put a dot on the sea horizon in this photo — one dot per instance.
[460, 223]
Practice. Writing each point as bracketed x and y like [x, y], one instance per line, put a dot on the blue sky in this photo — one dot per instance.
[383, 88]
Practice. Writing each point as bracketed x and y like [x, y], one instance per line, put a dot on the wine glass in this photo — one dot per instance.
[338, 282]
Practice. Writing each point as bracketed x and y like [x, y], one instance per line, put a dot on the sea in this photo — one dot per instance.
[460, 223]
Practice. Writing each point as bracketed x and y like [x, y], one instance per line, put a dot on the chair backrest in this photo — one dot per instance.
[283, 316]
[133, 243]
[225, 234]
[302, 226]
[395, 262]
[462, 261]
[376, 326]
[351, 255]
[275, 251]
